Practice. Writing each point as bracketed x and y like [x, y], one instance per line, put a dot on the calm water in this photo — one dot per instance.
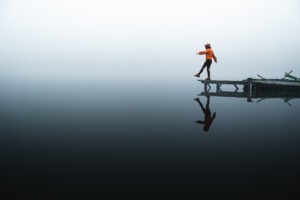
[92, 137]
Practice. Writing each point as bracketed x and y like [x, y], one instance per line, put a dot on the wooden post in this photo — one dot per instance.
[218, 87]
[249, 83]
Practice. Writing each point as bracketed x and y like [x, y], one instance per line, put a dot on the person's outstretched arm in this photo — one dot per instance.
[200, 122]
[215, 58]
[202, 52]
[214, 115]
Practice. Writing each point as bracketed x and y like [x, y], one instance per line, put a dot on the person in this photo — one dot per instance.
[208, 118]
[209, 56]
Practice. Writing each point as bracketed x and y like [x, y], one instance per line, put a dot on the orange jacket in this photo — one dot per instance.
[209, 54]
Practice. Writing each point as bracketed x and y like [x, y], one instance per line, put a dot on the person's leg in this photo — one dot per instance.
[208, 69]
[207, 109]
[201, 70]
[200, 104]
[208, 72]
[207, 102]
[203, 67]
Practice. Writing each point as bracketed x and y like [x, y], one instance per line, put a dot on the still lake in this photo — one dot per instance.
[86, 137]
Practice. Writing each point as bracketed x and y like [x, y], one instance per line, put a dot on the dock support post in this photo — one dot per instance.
[205, 87]
[249, 83]
[218, 87]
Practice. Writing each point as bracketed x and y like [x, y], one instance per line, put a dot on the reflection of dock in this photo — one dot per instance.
[254, 88]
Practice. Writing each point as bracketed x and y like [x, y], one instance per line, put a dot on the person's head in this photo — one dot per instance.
[207, 46]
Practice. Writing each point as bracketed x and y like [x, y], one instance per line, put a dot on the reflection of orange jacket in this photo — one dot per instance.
[208, 119]
[209, 54]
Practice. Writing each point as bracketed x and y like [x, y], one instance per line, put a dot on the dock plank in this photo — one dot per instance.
[222, 82]
[280, 83]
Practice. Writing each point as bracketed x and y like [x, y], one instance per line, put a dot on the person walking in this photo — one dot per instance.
[209, 56]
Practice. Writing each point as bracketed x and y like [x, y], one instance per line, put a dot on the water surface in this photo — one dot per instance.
[89, 136]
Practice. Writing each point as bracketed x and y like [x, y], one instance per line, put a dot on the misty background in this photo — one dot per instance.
[98, 98]
[148, 39]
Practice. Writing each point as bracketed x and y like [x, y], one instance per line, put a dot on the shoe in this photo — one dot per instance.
[197, 75]
[208, 79]
[196, 99]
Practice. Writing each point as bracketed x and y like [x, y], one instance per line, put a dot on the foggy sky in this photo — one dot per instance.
[150, 38]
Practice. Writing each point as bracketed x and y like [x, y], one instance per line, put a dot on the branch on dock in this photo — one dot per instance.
[261, 77]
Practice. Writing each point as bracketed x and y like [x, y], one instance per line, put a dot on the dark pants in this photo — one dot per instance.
[206, 64]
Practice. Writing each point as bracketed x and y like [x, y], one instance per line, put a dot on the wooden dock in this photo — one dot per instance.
[254, 88]
[219, 83]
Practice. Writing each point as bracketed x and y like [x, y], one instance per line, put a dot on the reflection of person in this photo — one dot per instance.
[208, 118]
[209, 56]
